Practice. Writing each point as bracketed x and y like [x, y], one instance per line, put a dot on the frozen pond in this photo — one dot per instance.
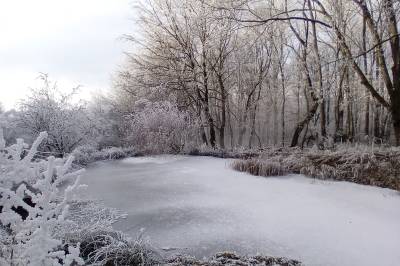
[200, 206]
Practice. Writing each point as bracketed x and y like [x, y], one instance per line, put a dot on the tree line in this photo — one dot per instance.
[261, 73]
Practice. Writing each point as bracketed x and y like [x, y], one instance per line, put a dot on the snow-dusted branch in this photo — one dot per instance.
[34, 205]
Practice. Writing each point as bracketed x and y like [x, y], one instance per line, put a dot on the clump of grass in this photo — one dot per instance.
[378, 167]
[260, 168]
[112, 248]
[91, 226]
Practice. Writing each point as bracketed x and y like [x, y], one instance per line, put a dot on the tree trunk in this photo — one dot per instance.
[366, 125]
[349, 109]
[367, 98]
[283, 104]
[210, 120]
[211, 125]
[395, 111]
[319, 73]
[223, 113]
[252, 127]
[275, 119]
[205, 100]
[242, 129]
[300, 126]
[253, 132]
[377, 128]
[231, 139]
[203, 127]
[339, 112]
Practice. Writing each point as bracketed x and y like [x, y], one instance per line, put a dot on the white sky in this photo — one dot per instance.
[75, 41]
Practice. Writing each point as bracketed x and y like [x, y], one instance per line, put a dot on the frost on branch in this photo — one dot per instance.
[33, 206]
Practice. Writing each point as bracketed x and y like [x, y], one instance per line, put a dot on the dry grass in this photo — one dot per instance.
[260, 168]
[363, 165]
[112, 248]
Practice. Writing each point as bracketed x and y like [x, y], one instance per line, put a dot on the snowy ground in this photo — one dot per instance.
[200, 206]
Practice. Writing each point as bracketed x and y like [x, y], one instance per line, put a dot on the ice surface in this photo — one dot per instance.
[200, 206]
[151, 159]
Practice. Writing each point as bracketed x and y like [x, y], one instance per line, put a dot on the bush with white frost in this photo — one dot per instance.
[66, 121]
[33, 187]
[160, 127]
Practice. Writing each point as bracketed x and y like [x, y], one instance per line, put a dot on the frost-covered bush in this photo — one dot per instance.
[66, 121]
[34, 186]
[160, 127]
[84, 154]
[112, 153]
[88, 154]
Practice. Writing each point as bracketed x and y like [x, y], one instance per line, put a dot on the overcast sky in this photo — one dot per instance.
[75, 41]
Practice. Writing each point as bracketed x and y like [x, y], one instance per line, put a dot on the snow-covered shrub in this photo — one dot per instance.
[34, 187]
[107, 120]
[112, 153]
[85, 154]
[66, 121]
[160, 127]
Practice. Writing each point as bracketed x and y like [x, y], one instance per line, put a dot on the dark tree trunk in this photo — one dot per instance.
[223, 113]
[300, 126]
[205, 101]
[377, 127]
[211, 125]
[395, 111]
[283, 105]
[319, 73]
[364, 46]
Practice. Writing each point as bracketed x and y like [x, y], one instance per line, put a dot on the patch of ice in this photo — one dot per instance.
[187, 170]
[160, 159]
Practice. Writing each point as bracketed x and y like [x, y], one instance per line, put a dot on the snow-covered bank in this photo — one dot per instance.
[197, 205]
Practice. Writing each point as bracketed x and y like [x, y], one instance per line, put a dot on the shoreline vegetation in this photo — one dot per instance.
[378, 167]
